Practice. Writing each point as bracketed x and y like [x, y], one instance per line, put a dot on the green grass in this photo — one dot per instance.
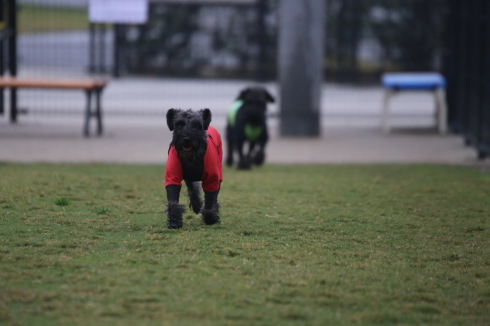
[310, 245]
[41, 19]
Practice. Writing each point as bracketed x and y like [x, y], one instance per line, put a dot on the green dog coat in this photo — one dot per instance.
[252, 133]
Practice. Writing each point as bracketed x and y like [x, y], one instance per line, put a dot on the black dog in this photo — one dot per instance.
[195, 154]
[247, 123]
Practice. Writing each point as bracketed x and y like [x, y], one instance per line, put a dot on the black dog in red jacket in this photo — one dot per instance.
[195, 155]
[247, 123]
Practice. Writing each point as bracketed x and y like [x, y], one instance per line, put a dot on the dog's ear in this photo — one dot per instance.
[243, 94]
[269, 97]
[171, 113]
[206, 118]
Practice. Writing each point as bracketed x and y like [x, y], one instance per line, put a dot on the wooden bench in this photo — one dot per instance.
[394, 83]
[93, 89]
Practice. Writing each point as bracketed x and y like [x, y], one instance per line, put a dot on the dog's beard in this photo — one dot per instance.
[191, 151]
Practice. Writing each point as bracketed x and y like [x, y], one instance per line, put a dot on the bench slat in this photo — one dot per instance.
[413, 81]
[86, 84]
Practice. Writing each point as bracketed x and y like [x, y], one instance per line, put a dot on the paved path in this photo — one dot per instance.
[136, 132]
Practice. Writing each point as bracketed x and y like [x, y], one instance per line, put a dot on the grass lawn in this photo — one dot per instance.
[39, 19]
[310, 245]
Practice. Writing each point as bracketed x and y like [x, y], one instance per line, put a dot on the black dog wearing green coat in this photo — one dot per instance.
[247, 123]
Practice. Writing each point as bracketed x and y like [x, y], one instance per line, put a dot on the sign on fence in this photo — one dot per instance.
[118, 11]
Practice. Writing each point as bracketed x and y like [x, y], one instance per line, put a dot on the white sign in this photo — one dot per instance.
[118, 11]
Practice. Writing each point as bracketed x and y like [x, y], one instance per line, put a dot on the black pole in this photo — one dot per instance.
[2, 60]
[262, 40]
[102, 36]
[91, 48]
[116, 50]
[12, 44]
[300, 63]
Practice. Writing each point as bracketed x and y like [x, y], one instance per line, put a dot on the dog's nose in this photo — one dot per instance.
[186, 139]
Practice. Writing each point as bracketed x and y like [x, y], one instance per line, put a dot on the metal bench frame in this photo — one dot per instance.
[93, 89]
[394, 83]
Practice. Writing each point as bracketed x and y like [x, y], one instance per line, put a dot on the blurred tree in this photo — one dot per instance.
[164, 42]
[409, 32]
[350, 17]
[243, 36]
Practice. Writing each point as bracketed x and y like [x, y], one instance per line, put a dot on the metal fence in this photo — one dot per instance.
[223, 39]
[468, 72]
[363, 39]
[230, 39]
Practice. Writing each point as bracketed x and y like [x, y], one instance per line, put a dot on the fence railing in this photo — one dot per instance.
[468, 72]
[226, 39]
[363, 39]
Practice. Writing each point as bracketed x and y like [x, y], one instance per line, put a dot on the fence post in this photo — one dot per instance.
[12, 55]
[301, 31]
[116, 50]
[2, 53]
[261, 40]
[91, 48]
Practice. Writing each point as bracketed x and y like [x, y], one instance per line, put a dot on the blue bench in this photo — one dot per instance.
[393, 83]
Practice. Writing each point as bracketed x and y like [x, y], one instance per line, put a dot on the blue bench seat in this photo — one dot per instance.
[393, 83]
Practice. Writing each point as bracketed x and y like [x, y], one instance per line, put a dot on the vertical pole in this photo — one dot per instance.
[88, 113]
[301, 32]
[116, 50]
[2, 61]
[102, 31]
[91, 55]
[98, 112]
[385, 124]
[262, 41]
[12, 44]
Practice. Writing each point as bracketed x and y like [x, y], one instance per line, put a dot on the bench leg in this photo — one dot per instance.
[441, 108]
[88, 113]
[13, 105]
[98, 111]
[386, 111]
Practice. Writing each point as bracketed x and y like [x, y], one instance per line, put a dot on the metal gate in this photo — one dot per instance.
[468, 72]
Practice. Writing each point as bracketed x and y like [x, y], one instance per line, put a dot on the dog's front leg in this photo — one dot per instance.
[230, 142]
[211, 208]
[174, 209]
[244, 162]
[259, 157]
[194, 192]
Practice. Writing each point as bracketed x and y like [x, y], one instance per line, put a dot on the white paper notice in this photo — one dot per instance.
[118, 11]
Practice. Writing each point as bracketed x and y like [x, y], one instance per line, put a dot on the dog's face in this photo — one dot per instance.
[189, 131]
[255, 101]
[258, 95]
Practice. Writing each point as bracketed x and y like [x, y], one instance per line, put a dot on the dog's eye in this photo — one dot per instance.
[179, 124]
[197, 125]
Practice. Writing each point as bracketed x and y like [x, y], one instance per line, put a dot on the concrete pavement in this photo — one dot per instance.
[136, 132]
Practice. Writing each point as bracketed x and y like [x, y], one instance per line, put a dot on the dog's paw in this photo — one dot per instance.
[229, 161]
[244, 164]
[195, 201]
[174, 215]
[259, 158]
[210, 216]
[196, 208]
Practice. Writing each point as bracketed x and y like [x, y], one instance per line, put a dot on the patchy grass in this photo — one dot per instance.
[308, 245]
[62, 201]
[41, 19]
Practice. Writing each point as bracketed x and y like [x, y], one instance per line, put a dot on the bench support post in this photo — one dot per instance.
[88, 113]
[98, 111]
[386, 110]
[441, 109]
[13, 105]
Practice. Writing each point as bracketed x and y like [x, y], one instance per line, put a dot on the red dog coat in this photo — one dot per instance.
[213, 171]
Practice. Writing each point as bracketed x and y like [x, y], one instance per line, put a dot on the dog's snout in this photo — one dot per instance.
[186, 139]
